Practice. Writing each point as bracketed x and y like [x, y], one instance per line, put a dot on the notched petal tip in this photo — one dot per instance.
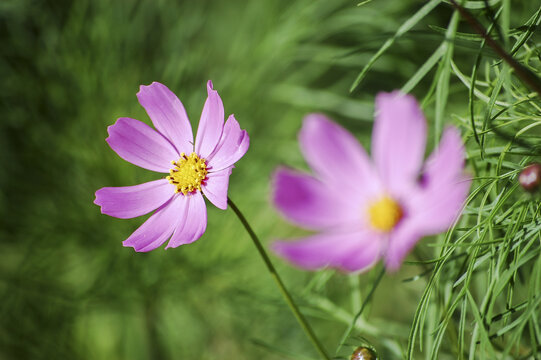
[279, 175]
[169, 246]
[277, 247]
[279, 170]
[315, 119]
[451, 129]
[398, 99]
[151, 85]
[174, 244]
[243, 140]
[390, 94]
[98, 199]
[392, 267]
[305, 256]
[210, 86]
[119, 121]
[447, 162]
[113, 129]
[143, 248]
[281, 178]
[394, 258]
[395, 95]
[393, 262]
[286, 250]
[452, 135]
[351, 252]
[135, 248]
[101, 205]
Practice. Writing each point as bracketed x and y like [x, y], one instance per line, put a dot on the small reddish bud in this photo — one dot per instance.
[530, 177]
[364, 353]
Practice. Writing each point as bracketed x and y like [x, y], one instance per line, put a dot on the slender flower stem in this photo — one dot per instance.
[300, 318]
[527, 76]
[359, 313]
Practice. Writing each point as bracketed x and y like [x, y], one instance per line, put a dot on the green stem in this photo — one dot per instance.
[528, 77]
[300, 318]
[359, 313]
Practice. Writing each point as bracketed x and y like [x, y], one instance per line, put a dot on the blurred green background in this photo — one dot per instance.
[68, 289]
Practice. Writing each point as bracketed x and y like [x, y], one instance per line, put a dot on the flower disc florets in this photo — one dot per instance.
[189, 173]
[385, 214]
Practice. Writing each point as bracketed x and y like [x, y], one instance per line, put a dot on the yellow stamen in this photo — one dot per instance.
[385, 213]
[189, 173]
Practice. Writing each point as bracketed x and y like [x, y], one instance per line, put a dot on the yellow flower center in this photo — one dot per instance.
[188, 174]
[385, 213]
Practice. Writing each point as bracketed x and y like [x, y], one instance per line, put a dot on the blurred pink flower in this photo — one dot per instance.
[363, 209]
[194, 168]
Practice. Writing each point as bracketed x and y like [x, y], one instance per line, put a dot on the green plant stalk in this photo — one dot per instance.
[347, 333]
[528, 78]
[290, 302]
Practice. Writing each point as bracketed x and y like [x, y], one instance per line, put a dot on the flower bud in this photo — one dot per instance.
[530, 177]
[364, 353]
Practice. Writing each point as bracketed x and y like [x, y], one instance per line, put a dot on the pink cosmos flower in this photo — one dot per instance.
[194, 168]
[362, 209]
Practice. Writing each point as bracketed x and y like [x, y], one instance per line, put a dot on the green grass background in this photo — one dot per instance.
[69, 290]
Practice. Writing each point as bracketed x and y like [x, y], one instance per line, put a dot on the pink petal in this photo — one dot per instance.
[168, 115]
[401, 241]
[398, 140]
[211, 123]
[216, 187]
[351, 252]
[194, 221]
[138, 143]
[336, 156]
[435, 209]
[446, 163]
[158, 228]
[431, 211]
[127, 202]
[232, 146]
[444, 186]
[310, 203]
